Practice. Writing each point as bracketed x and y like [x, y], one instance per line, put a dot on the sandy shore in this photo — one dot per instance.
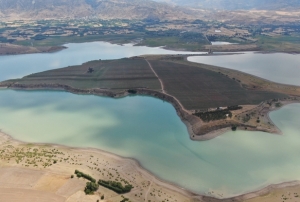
[33, 180]
[87, 160]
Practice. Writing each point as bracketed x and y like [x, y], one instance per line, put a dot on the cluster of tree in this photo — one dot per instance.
[132, 91]
[233, 128]
[91, 187]
[86, 176]
[39, 37]
[214, 115]
[235, 107]
[116, 186]
[90, 70]
[125, 199]
[5, 40]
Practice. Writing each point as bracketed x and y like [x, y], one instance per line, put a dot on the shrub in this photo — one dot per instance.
[115, 186]
[91, 187]
[233, 128]
[214, 115]
[81, 174]
[132, 91]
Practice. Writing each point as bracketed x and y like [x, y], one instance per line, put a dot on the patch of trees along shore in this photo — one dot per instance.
[92, 186]
[218, 114]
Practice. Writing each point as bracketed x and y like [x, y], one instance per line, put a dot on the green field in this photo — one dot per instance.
[175, 43]
[279, 43]
[61, 40]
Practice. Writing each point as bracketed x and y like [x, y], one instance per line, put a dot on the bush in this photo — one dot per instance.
[91, 187]
[233, 128]
[132, 91]
[72, 176]
[115, 186]
[214, 115]
[81, 174]
[236, 107]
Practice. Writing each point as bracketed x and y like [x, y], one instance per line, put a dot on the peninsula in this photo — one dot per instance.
[209, 100]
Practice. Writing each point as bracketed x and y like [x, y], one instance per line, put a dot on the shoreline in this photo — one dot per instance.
[12, 49]
[193, 123]
[165, 184]
[225, 52]
[260, 191]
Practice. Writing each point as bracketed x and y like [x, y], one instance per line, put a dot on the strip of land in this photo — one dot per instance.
[11, 49]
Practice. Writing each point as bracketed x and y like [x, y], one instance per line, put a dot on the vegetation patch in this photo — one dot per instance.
[214, 115]
[91, 187]
[86, 176]
[116, 186]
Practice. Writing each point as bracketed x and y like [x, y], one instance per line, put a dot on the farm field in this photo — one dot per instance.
[109, 74]
[199, 88]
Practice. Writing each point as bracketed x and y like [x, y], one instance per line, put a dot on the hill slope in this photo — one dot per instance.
[106, 9]
[238, 4]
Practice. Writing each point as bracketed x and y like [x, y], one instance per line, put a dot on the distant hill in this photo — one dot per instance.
[238, 4]
[106, 9]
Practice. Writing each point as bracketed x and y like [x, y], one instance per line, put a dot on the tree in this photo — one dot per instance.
[91, 187]
[90, 70]
[233, 128]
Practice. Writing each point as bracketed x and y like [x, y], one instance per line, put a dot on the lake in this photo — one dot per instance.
[132, 127]
[146, 128]
[277, 67]
[218, 43]
[17, 66]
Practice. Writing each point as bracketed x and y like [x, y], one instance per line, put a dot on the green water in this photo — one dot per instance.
[150, 131]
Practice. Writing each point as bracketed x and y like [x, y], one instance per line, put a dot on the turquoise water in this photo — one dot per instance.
[278, 67]
[150, 131]
[17, 66]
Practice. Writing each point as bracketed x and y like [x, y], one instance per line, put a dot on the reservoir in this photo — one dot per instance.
[232, 164]
[277, 67]
[17, 66]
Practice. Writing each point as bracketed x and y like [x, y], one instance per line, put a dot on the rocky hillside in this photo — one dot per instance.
[106, 9]
[238, 4]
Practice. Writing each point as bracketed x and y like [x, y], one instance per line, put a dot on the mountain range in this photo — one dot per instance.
[105, 9]
[238, 4]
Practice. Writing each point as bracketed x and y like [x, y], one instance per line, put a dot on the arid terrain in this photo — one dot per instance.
[43, 172]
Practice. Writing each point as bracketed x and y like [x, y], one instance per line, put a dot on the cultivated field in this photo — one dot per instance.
[110, 74]
[199, 88]
[194, 87]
